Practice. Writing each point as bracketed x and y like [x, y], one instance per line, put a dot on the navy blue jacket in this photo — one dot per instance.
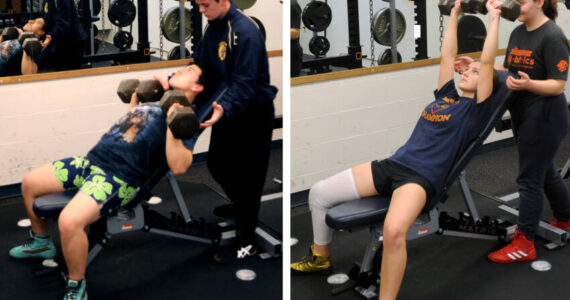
[62, 21]
[234, 49]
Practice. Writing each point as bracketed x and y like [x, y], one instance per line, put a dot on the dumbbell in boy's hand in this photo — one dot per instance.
[146, 90]
[10, 33]
[180, 117]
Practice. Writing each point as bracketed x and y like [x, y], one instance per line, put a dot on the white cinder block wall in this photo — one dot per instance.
[337, 124]
[47, 120]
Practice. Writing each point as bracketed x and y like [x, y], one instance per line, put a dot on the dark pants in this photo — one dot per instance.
[539, 129]
[296, 58]
[68, 55]
[238, 158]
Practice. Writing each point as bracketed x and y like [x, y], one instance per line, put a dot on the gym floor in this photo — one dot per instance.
[445, 267]
[140, 265]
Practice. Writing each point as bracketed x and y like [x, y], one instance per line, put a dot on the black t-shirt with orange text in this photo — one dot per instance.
[541, 53]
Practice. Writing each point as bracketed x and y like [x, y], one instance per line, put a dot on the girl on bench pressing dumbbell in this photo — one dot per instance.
[416, 172]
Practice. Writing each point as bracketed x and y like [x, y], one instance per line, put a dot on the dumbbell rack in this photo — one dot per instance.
[353, 59]
[16, 18]
[142, 54]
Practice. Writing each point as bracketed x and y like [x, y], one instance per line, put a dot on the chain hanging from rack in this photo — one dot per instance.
[440, 31]
[372, 57]
[103, 15]
[161, 37]
[131, 28]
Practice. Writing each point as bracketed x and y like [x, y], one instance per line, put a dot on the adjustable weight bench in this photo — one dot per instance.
[135, 215]
[371, 211]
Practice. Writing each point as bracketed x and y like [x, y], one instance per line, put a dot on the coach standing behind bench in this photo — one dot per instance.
[233, 48]
[67, 35]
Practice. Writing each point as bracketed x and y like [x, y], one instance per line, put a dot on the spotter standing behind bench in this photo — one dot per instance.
[107, 177]
[417, 171]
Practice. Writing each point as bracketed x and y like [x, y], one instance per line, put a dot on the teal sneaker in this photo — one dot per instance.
[34, 247]
[76, 290]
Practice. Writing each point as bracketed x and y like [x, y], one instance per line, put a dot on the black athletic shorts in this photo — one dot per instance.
[389, 175]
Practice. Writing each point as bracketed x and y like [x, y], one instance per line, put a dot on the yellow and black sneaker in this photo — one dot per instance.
[313, 263]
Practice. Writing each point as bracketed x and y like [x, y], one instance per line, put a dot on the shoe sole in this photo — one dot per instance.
[324, 272]
[512, 261]
[32, 257]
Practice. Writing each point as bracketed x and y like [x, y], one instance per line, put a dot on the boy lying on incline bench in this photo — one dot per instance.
[109, 176]
[15, 59]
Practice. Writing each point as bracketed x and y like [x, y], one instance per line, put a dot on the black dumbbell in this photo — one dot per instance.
[511, 10]
[474, 6]
[147, 90]
[25, 35]
[32, 46]
[445, 6]
[126, 89]
[183, 122]
[10, 33]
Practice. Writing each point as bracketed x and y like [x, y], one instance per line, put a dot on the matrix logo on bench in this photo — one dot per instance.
[127, 226]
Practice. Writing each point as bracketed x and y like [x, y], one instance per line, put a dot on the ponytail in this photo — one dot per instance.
[550, 9]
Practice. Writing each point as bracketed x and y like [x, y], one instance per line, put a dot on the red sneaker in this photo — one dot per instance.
[520, 249]
[564, 225]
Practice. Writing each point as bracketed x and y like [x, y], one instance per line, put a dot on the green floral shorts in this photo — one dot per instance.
[109, 191]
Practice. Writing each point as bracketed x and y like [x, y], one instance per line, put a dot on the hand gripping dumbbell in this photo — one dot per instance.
[445, 6]
[474, 6]
[10, 33]
[148, 90]
[32, 46]
[26, 35]
[183, 122]
[510, 9]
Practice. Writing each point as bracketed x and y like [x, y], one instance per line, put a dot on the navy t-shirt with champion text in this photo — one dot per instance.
[446, 126]
[134, 147]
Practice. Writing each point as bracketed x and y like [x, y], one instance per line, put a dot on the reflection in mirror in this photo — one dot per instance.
[341, 35]
[122, 32]
[113, 32]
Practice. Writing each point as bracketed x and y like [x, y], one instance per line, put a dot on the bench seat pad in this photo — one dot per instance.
[49, 206]
[358, 213]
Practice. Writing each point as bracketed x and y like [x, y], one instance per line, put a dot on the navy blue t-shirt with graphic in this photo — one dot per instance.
[10, 58]
[446, 126]
[134, 147]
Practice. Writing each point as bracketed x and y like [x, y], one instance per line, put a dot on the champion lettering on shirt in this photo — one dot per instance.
[433, 115]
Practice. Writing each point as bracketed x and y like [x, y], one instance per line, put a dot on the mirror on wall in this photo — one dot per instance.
[348, 34]
[114, 32]
[135, 31]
